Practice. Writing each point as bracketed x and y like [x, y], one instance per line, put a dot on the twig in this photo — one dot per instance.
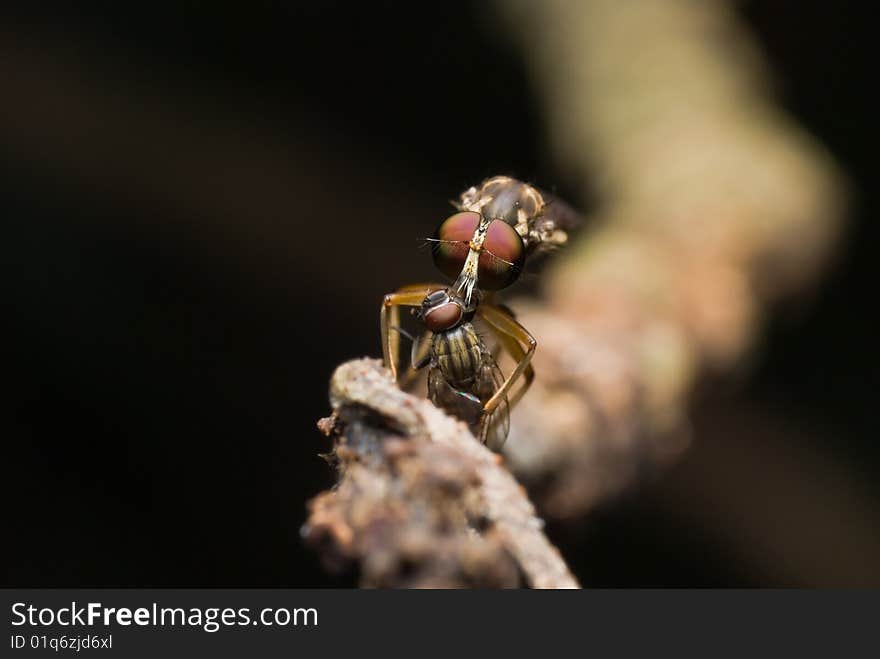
[420, 502]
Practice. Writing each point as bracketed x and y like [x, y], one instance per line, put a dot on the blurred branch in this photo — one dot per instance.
[713, 204]
[421, 503]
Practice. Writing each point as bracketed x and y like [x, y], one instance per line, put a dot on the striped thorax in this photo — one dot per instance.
[458, 353]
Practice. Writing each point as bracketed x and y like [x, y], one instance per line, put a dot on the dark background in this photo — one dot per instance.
[203, 205]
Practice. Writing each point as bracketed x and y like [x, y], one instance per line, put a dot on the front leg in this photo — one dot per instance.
[407, 296]
[521, 346]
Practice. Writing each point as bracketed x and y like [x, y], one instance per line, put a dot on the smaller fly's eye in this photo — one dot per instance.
[443, 316]
[502, 257]
[452, 242]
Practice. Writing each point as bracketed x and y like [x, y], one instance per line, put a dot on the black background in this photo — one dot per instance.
[165, 372]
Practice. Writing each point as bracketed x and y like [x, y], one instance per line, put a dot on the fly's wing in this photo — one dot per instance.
[495, 428]
[460, 404]
[562, 215]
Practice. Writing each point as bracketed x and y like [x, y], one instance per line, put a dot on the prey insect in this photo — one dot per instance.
[483, 247]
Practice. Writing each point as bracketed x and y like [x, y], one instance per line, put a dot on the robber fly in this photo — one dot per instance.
[483, 247]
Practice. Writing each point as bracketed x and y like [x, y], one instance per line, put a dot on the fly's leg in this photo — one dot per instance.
[408, 296]
[503, 343]
[390, 319]
[521, 346]
[420, 356]
[498, 345]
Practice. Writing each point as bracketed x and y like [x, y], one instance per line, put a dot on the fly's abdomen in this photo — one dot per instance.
[458, 354]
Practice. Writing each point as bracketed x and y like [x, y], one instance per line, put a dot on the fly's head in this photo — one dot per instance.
[499, 224]
[442, 310]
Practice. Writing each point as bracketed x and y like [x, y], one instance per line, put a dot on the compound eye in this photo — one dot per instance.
[452, 242]
[443, 317]
[502, 257]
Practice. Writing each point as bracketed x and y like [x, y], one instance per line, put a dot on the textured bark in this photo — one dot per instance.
[421, 503]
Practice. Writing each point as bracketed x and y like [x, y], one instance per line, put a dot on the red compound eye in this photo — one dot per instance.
[453, 239]
[443, 317]
[502, 257]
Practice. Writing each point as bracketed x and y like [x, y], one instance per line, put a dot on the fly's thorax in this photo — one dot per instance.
[539, 220]
[504, 198]
[458, 354]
